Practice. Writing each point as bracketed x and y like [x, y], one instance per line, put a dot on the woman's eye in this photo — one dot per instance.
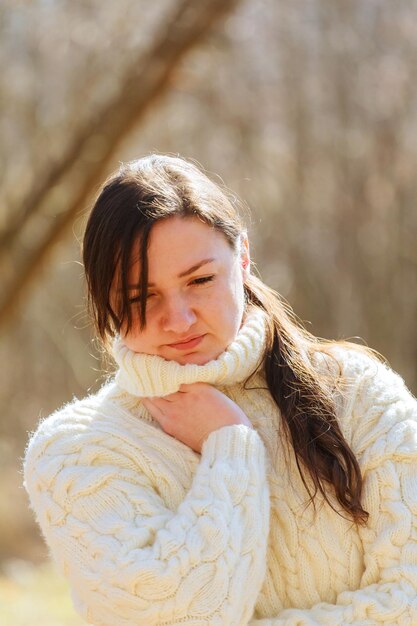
[202, 280]
[135, 299]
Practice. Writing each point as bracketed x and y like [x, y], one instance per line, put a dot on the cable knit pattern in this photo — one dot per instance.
[149, 532]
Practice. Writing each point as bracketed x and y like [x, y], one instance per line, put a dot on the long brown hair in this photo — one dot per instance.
[157, 187]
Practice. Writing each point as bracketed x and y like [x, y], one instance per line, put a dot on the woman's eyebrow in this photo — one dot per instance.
[195, 267]
[190, 270]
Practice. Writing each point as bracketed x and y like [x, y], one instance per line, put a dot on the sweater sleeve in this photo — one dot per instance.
[129, 558]
[382, 419]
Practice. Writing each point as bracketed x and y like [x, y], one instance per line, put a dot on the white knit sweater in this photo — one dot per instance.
[149, 532]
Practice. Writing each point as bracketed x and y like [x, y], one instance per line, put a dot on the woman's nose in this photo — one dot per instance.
[178, 316]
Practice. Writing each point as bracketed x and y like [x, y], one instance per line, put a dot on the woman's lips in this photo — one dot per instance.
[187, 345]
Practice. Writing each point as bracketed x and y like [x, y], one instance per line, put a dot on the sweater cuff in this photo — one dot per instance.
[233, 442]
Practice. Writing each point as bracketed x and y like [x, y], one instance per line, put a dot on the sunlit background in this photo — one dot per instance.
[306, 109]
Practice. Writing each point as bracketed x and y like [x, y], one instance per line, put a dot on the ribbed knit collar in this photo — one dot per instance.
[145, 375]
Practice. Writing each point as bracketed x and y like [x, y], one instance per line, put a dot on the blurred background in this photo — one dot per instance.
[306, 109]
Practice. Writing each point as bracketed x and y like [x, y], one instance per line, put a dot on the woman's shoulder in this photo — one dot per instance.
[361, 369]
[346, 360]
[88, 441]
[376, 411]
[75, 413]
[357, 369]
[84, 423]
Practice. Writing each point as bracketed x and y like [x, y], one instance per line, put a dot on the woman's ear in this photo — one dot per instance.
[244, 255]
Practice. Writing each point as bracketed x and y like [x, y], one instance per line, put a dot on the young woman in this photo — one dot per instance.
[236, 469]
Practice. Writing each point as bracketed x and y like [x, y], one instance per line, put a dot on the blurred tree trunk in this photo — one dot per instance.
[77, 173]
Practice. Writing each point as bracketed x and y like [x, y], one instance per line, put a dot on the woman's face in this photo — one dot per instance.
[195, 299]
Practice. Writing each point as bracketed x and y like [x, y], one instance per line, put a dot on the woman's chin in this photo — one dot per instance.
[195, 358]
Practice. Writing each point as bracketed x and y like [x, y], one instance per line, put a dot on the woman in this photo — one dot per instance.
[236, 470]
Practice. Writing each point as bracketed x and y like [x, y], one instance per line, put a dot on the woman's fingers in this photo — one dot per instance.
[193, 412]
[184, 389]
[191, 386]
[172, 397]
[160, 403]
[153, 408]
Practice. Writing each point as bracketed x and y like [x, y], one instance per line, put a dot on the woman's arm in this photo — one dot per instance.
[383, 422]
[128, 557]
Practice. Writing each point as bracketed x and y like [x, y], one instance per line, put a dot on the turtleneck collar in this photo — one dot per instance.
[146, 375]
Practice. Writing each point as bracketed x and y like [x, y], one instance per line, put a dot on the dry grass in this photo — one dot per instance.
[35, 595]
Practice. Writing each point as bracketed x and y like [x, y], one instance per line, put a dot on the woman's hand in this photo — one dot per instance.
[195, 411]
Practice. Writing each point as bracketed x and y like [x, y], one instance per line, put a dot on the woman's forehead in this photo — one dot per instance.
[179, 246]
[184, 228]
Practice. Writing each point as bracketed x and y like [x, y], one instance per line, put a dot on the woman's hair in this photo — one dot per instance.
[157, 187]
